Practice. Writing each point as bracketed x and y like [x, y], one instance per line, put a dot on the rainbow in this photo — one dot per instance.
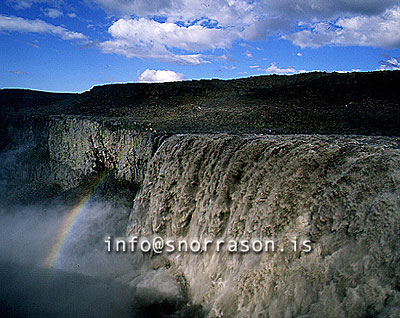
[70, 220]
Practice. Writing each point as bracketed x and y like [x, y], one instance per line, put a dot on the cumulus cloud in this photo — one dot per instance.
[271, 13]
[226, 12]
[144, 38]
[17, 24]
[159, 76]
[323, 22]
[377, 31]
[273, 69]
[190, 27]
[195, 37]
[153, 51]
[322, 9]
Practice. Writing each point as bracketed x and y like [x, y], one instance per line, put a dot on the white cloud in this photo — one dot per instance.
[191, 27]
[17, 24]
[71, 15]
[391, 63]
[299, 54]
[263, 15]
[255, 20]
[159, 76]
[145, 38]
[254, 66]
[52, 13]
[352, 71]
[377, 31]
[195, 37]
[273, 69]
[226, 12]
[156, 51]
[322, 9]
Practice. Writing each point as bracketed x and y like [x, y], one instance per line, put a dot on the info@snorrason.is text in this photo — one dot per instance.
[158, 245]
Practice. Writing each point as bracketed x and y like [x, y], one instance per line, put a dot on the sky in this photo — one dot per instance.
[71, 46]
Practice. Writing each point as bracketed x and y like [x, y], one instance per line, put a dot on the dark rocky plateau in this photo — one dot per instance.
[324, 103]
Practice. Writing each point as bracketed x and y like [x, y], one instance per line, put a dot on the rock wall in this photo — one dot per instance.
[64, 151]
[85, 147]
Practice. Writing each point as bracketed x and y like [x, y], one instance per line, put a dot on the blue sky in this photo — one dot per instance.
[71, 46]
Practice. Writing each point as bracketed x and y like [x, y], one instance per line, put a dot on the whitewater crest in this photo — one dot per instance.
[341, 193]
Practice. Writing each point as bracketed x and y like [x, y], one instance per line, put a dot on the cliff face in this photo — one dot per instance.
[89, 147]
[60, 153]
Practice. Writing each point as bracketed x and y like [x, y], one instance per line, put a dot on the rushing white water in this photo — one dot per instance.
[341, 193]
